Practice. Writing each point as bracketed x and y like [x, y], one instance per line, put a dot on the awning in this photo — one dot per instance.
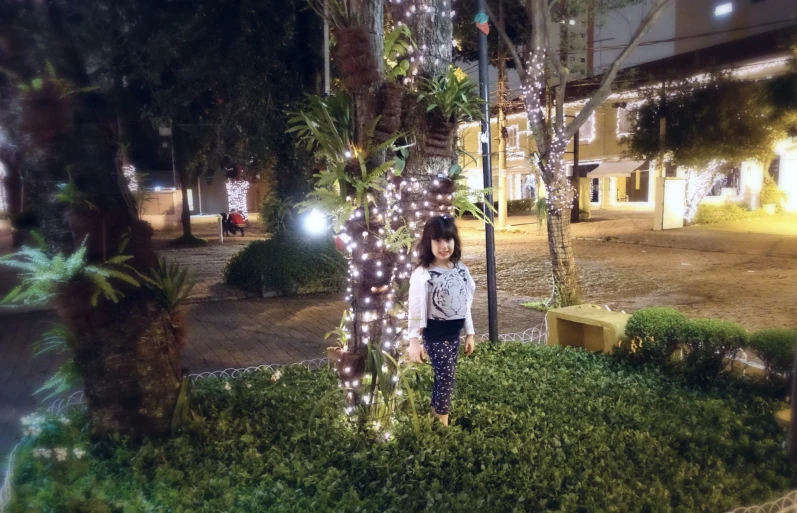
[616, 168]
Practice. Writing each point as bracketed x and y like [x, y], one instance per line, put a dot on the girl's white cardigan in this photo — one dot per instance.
[419, 293]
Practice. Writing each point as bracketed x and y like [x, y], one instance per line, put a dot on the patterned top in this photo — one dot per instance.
[448, 293]
[438, 294]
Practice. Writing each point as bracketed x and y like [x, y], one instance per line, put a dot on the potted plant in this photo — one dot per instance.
[770, 196]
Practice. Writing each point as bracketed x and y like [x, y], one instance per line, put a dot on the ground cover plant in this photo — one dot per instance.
[535, 429]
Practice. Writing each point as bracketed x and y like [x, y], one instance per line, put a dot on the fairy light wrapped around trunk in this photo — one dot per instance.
[236, 196]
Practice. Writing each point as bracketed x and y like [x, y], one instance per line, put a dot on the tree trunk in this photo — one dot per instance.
[433, 34]
[565, 278]
[126, 352]
[185, 180]
[129, 361]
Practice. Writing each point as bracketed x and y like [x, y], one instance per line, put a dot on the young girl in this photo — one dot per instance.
[441, 293]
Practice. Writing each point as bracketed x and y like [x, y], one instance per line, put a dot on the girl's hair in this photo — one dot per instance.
[438, 228]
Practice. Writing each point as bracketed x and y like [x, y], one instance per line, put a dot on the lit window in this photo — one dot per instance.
[723, 9]
[512, 138]
[586, 134]
[625, 121]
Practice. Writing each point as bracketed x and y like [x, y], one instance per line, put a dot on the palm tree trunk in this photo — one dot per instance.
[184, 177]
[126, 352]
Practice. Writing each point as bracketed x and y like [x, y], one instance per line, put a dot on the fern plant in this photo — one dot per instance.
[454, 99]
[325, 126]
[398, 46]
[43, 274]
[58, 340]
[170, 283]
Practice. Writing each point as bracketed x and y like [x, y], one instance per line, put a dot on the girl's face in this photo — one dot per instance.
[442, 249]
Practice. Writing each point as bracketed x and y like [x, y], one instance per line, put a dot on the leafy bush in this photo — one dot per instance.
[276, 213]
[288, 264]
[775, 347]
[708, 342]
[770, 193]
[534, 429]
[652, 335]
[716, 214]
[522, 205]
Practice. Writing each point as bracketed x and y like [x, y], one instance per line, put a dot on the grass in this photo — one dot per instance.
[534, 429]
[540, 306]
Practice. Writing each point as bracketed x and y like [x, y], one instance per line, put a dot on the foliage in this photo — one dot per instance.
[541, 208]
[725, 213]
[770, 193]
[188, 240]
[397, 49]
[454, 100]
[534, 429]
[42, 274]
[170, 283]
[652, 335]
[540, 306]
[471, 201]
[58, 340]
[708, 342]
[521, 205]
[325, 126]
[288, 264]
[775, 347]
[276, 213]
[720, 119]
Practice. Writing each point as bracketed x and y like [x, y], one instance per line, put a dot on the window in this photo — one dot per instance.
[723, 9]
[625, 121]
[586, 134]
[512, 138]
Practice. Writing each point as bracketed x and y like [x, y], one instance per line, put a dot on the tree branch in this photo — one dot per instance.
[519, 64]
[606, 84]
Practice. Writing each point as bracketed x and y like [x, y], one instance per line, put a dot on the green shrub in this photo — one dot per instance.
[288, 264]
[716, 214]
[533, 429]
[652, 335]
[775, 347]
[523, 205]
[770, 193]
[277, 214]
[708, 342]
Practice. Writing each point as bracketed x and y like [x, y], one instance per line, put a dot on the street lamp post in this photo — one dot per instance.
[489, 229]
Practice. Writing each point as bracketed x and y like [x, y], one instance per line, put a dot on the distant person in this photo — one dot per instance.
[236, 222]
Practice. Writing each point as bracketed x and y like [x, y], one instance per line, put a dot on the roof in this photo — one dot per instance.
[727, 55]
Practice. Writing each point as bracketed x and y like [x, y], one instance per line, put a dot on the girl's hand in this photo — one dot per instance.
[416, 351]
[470, 345]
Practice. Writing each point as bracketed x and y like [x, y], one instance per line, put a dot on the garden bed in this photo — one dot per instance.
[535, 429]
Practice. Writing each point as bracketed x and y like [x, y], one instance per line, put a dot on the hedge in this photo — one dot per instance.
[534, 429]
[775, 348]
[289, 265]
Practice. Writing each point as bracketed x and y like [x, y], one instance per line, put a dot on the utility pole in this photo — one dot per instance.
[326, 49]
[489, 229]
[501, 97]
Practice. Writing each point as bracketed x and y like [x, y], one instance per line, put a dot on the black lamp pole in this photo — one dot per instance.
[484, 89]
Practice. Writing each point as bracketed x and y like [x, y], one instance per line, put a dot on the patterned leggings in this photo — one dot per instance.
[443, 355]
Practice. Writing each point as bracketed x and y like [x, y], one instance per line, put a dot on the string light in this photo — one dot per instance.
[236, 196]
[128, 171]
